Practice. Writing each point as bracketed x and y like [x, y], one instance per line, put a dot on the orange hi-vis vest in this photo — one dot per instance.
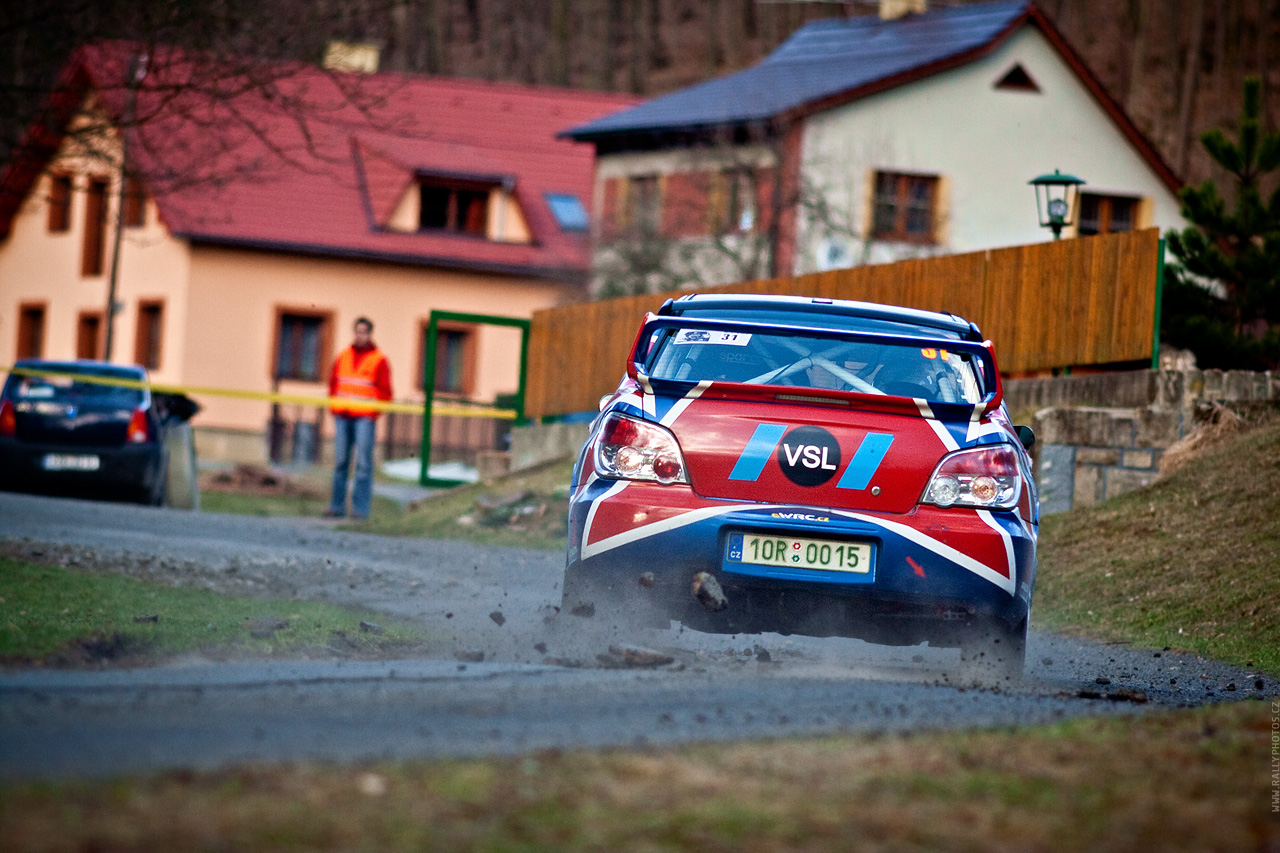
[357, 381]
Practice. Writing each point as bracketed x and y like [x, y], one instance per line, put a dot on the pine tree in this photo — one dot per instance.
[1236, 249]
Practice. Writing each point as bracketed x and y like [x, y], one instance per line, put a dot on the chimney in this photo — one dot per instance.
[891, 9]
[358, 58]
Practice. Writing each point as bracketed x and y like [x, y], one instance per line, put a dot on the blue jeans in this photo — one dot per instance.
[352, 434]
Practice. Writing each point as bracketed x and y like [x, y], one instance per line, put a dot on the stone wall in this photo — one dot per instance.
[1100, 436]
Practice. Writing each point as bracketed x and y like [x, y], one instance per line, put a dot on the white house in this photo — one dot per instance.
[870, 139]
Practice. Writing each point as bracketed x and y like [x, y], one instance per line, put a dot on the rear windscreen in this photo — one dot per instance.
[931, 373]
[70, 389]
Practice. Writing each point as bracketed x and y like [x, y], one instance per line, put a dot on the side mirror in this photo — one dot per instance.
[1026, 435]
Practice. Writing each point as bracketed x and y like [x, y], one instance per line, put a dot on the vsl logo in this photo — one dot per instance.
[810, 456]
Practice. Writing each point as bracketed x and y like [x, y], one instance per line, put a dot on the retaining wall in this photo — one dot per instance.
[1102, 435]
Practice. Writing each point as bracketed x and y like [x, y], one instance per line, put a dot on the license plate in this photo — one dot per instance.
[71, 462]
[821, 554]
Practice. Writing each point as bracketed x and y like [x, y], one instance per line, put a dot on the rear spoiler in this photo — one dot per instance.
[653, 324]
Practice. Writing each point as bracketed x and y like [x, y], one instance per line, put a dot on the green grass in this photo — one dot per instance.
[1190, 562]
[59, 616]
[1188, 780]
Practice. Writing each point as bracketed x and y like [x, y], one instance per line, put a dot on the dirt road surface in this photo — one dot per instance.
[502, 673]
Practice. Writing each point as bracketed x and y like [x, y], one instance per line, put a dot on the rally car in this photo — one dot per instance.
[809, 466]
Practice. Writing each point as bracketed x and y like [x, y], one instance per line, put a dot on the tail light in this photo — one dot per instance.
[139, 432]
[631, 449]
[8, 418]
[982, 477]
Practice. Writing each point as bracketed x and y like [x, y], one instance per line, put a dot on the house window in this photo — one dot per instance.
[59, 203]
[95, 228]
[643, 206]
[1106, 214]
[30, 331]
[453, 208]
[135, 204]
[301, 340]
[147, 340]
[455, 358]
[905, 207]
[88, 334]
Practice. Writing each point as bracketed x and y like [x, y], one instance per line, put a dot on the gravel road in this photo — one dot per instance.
[498, 604]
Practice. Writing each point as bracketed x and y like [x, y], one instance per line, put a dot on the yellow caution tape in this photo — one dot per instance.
[275, 397]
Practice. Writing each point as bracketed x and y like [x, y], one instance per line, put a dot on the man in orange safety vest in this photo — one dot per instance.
[361, 374]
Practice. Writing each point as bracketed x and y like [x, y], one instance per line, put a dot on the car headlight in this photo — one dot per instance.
[982, 477]
[632, 449]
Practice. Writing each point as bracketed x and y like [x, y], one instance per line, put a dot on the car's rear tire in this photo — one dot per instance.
[994, 652]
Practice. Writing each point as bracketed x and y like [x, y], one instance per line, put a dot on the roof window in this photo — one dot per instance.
[568, 211]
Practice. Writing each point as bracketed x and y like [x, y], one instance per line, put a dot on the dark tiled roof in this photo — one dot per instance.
[821, 60]
[238, 170]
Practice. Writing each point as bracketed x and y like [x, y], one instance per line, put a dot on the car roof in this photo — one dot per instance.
[816, 311]
[83, 365]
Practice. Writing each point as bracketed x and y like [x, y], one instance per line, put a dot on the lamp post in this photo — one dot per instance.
[1056, 197]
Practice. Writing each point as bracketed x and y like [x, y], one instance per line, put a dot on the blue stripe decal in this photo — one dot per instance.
[865, 462]
[757, 452]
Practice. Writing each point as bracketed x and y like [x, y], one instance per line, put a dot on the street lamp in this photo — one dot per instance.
[1056, 197]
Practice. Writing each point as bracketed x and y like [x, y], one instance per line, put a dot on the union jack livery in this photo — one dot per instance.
[809, 466]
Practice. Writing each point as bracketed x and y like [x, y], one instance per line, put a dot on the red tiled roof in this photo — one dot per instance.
[315, 160]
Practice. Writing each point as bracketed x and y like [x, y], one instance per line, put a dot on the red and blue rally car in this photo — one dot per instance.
[809, 466]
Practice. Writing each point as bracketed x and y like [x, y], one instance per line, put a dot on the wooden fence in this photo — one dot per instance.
[1080, 302]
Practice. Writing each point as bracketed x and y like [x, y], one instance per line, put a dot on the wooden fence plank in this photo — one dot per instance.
[1067, 303]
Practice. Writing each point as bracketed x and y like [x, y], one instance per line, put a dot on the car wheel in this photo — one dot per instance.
[995, 652]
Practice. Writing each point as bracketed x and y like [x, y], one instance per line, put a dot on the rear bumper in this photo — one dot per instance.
[130, 468]
[934, 572]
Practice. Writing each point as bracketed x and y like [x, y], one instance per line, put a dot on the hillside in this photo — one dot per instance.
[1189, 562]
[1175, 65]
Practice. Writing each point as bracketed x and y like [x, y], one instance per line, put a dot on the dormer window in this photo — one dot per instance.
[442, 204]
[462, 207]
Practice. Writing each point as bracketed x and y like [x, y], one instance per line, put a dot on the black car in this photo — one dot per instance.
[86, 427]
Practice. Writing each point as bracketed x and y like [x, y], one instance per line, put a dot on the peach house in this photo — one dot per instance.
[266, 206]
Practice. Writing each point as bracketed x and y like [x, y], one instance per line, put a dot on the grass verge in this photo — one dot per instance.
[1189, 562]
[51, 615]
[1193, 780]
[528, 508]
[310, 506]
